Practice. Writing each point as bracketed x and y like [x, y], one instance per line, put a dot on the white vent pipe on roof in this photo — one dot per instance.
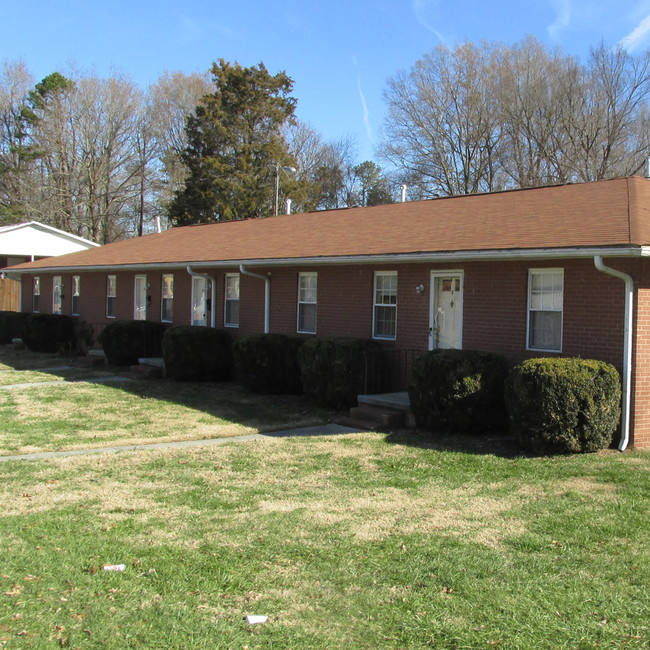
[287, 205]
[404, 193]
[267, 295]
[213, 294]
[627, 347]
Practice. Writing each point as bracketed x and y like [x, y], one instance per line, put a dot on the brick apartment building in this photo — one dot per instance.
[561, 270]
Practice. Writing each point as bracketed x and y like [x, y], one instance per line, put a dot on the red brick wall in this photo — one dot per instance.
[494, 308]
[640, 408]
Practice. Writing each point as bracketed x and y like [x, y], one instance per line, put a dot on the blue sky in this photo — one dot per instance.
[338, 52]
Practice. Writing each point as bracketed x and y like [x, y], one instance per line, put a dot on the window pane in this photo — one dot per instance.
[386, 289]
[307, 288]
[111, 293]
[232, 312]
[545, 330]
[168, 286]
[385, 322]
[307, 318]
[232, 288]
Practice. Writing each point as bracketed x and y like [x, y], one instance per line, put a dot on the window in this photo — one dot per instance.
[36, 295]
[545, 301]
[57, 298]
[199, 301]
[307, 302]
[76, 294]
[167, 305]
[140, 297]
[385, 306]
[231, 316]
[111, 296]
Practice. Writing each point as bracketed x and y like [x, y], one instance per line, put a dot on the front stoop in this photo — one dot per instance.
[376, 412]
[149, 368]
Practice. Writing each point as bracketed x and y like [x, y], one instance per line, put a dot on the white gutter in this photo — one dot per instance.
[627, 347]
[213, 293]
[445, 257]
[267, 296]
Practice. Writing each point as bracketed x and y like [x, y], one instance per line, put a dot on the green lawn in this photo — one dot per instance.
[357, 541]
[76, 414]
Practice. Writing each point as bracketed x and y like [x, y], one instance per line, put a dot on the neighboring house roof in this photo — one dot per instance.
[612, 215]
[39, 240]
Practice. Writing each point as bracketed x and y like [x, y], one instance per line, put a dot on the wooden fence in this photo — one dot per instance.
[9, 295]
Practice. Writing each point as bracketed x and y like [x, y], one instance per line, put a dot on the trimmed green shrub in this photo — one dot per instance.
[49, 333]
[564, 405]
[126, 341]
[268, 363]
[11, 325]
[333, 370]
[197, 353]
[458, 391]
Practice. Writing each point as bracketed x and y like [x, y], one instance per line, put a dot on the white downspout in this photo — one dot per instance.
[267, 296]
[627, 347]
[213, 294]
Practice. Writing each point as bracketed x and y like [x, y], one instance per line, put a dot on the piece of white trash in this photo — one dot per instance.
[251, 620]
[114, 567]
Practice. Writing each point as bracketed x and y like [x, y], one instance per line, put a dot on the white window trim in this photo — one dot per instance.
[162, 297]
[547, 271]
[75, 293]
[225, 300]
[301, 275]
[108, 295]
[375, 305]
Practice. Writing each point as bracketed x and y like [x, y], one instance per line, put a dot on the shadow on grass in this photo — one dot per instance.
[498, 444]
[271, 414]
[225, 400]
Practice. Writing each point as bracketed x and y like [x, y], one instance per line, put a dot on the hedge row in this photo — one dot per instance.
[329, 371]
[458, 391]
[11, 325]
[554, 405]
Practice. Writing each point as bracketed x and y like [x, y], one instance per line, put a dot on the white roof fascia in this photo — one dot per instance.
[390, 258]
[37, 225]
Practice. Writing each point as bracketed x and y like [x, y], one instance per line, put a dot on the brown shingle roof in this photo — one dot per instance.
[599, 214]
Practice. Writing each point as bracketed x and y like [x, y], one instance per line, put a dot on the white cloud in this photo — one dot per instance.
[562, 19]
[637, 36]
[364, 103]
[422, 10]
[366, 112]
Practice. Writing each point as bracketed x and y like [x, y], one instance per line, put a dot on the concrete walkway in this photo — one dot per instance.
[318, 430]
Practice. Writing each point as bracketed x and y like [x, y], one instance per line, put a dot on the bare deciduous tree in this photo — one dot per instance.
[442, 127]
[485, 118]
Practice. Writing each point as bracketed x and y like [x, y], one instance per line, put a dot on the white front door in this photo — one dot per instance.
[140, 298]
[199, 301]
[446, 312]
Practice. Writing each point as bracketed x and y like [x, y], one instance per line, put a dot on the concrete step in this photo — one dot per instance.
[385, 417]
[147, 371]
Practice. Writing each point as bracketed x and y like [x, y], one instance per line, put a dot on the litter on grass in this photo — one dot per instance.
[114, 567]
[252, 620]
